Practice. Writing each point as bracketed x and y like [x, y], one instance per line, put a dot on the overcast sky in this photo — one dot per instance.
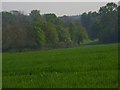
[59, 8]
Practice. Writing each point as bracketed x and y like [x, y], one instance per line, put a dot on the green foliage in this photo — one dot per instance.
[35, 15]
[40, 37]
[81, 35]
[35, 31]
[46, 31]
[88, 21]
[51, 34]
[102, 25]
[16, 31]
[109, 23]
[51, 18]
[72, 30]
[118, 23]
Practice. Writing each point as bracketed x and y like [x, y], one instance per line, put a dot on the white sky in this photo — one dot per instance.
[59, 8]
[59, 0]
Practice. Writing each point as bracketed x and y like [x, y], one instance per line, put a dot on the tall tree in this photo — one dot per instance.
[39, 35]
[108, 23]
[51, 34]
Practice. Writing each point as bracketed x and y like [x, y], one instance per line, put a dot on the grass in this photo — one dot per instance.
[0, 70]
[91, 66]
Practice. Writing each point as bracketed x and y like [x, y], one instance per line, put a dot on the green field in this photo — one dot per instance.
[90, 66]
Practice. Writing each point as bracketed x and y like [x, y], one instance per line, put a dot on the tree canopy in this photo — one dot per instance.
[36, 31]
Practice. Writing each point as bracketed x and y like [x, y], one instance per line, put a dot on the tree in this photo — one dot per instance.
[15, 34]
[51, 34]
[118, 23]
[108, 23]
[88, 21]
[39, 35]
[35, 31]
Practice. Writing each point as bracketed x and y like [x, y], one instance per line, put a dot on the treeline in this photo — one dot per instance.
[36, 31]
[102, 25]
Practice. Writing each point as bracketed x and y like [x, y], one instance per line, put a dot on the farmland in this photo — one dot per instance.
[91, 66]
